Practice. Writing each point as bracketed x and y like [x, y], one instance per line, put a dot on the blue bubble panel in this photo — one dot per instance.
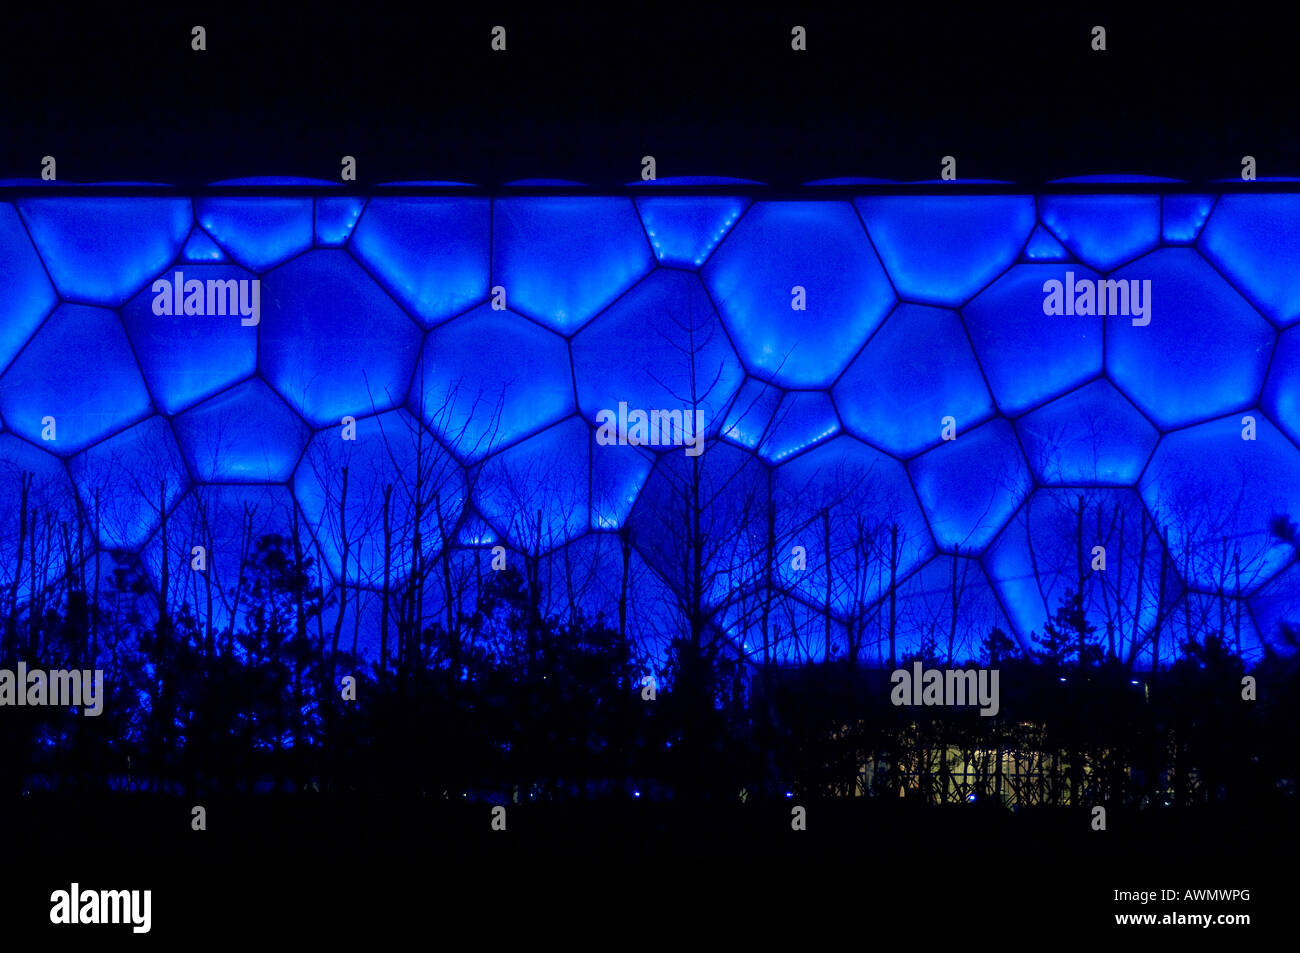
[259, 233]
[1202, 615]
[916, 370]
[1255, 241]
[617, 475]
[659, 347]
[563, 259]
[226, 521]
[1184, 216]
[246, 434]
[941, 249]
[1216, 495]
[1205, 350]
[1012, 332]
[684, 230]
[1276, 608]
[777, 249]
[583, 578]
[872, 518]
[536, 492]
[49, 492]
[76, 381]
[335, 219]
[731, 481]
[1103, 231]
[1043, 247]
[201, 248]
[926, 626]
[749, 419]
[804, 419]
[332, 342]
[1037, 558]
[433, 254]
[490, 377]
[187, 357]
[1090, 436]
[1282, 393]
[102, 250]
[390, 449]
[970, 486]
[129, 482]
[26, 295]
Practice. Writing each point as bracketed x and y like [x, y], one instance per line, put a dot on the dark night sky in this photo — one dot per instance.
[117, 94]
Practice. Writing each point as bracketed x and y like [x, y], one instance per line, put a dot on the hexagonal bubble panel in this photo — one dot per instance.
[49, 492]
[469, 572]
[941, 249]
[1043, 247]
[804, 419]
[335, 219]
[1282, 392]
[1104, 231]
[1216, 494]
[1090, 436]
[390, 449]
[659, 347]
[820, 247]
[246, 434]
[102, 250]
[187, 357]
[536, 492]
[926, 626]
[684, 230]
[1037, 558]
[356, 614]
[749, 419]
[916, 370]
[797, 632]
[1277, 605]
[1028, 355]
[259, 233]
[201, 248]
[1184, 215]
[475, 531]
[1255, 241]
[617, 474]
[732, 492]
[1202, 615]
[489, 377]
[970, 486]
[433, 254]
[331, 341]
[129, 481]
[1205, 351]
[584, 578]
[563, 259]
[80, 371]
[230, 523]
[26, 296]
[855, 503]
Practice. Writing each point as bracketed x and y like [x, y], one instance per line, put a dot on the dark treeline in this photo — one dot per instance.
[514, 706]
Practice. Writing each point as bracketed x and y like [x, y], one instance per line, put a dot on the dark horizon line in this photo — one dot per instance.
[757, 190]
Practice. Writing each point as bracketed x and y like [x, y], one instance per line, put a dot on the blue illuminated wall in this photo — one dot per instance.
[474, 342]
